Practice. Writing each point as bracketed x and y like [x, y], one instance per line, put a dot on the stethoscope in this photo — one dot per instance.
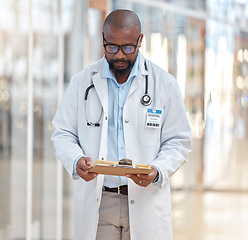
[145, 100]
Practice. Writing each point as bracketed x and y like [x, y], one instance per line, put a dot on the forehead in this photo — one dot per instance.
[121, 36]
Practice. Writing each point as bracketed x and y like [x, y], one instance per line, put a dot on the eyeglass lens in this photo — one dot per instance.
[114, 49]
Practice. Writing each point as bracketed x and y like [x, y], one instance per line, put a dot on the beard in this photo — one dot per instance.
[121, 72]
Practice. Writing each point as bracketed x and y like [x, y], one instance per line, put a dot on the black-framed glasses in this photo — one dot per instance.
[126, 49]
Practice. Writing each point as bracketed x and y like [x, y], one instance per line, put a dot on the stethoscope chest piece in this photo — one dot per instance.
[146, 100]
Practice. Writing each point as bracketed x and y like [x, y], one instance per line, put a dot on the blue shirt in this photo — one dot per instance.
[117, 95]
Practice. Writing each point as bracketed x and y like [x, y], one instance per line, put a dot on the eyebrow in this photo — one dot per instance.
[116, 44]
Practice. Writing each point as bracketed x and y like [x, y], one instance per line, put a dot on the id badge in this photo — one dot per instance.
[153, 118]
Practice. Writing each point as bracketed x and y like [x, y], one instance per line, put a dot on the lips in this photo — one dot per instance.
[120, 64]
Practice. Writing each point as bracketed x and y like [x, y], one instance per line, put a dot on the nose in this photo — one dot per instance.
[120, 54]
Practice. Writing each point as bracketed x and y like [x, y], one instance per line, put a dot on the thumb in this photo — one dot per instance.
[88, 162]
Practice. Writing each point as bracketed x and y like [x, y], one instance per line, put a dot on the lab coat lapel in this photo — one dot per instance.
[140, 78]
[101, 87]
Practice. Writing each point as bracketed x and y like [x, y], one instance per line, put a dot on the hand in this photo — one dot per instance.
[144, 180]
[83, 167]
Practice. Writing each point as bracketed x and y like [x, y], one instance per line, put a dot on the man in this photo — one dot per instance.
[122, 106]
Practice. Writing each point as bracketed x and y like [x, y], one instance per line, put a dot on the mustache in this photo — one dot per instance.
[119, 61]
[117, 71]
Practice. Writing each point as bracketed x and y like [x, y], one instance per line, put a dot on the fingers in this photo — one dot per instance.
[140, 179]
[83, 167]
[143, 180]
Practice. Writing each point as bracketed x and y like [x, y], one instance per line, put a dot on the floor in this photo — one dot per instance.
[222, 213]
[210, 215]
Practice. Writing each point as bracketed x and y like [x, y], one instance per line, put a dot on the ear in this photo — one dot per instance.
[141, 38]
[102, 36]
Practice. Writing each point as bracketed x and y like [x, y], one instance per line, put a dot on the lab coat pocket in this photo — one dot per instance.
[149, 137]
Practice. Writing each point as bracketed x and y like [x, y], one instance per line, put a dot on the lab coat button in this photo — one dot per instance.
[126, 121]
[132, 201]
[106, 118]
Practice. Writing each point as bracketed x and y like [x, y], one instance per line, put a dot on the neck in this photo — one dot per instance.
[121, 78]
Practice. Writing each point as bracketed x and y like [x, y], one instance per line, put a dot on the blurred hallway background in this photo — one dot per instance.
[203, 43]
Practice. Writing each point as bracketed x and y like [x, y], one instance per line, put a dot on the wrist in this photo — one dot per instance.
[156, 178]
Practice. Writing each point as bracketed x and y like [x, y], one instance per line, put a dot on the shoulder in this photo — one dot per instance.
[160, 75]
[156, 71]
[86, 73]
[162, 80]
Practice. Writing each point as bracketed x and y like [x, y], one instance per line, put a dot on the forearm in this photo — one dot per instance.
[67, 151]
[172, 155]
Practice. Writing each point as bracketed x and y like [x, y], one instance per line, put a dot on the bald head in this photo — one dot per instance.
[122, 19]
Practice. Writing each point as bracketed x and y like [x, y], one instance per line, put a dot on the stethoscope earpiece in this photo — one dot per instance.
[93, 124]
[146, 100]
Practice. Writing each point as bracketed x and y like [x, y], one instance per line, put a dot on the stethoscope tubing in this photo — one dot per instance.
[96, 124]
[146, 87]
[145, 100]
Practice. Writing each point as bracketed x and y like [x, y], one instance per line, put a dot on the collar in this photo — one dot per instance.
[106, 73]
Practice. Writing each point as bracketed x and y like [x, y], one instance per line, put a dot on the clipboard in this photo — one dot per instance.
[114, 168]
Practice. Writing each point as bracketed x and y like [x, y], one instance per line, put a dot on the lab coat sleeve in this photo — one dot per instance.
[65, 136]
[175, 135]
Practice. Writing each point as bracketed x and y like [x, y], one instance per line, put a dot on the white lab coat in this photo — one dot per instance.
[166, 147]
